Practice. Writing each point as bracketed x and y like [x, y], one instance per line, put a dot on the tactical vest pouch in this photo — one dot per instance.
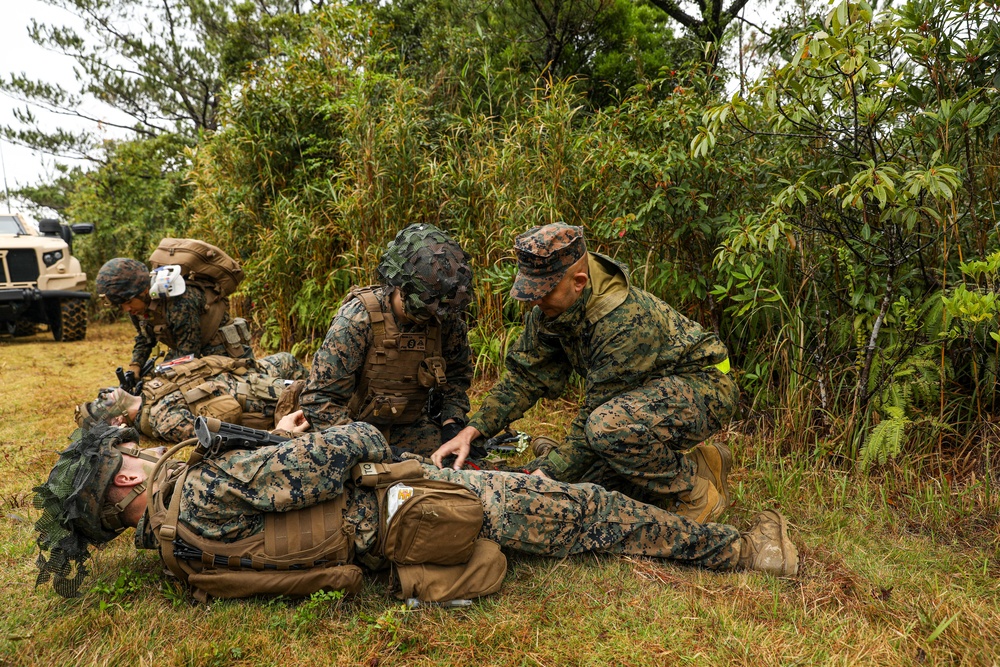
[223, 407]
[381, 475]
[431, 372]
[244, 583]
[382, 409]
[481, 575]
[439, 525]
[234, 336]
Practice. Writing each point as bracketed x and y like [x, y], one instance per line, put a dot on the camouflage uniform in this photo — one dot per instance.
[170, 418]
[225, 499]
[338, 363]
[182, 315]
[122, 279]
[652, 390]
[432, 274]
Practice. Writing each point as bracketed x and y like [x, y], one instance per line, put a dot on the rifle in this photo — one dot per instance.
[129, 382]
[215, 436]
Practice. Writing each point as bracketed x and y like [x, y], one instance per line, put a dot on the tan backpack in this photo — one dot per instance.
[200, 262]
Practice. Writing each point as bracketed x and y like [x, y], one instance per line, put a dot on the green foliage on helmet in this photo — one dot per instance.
[430, 269]
[72, 501]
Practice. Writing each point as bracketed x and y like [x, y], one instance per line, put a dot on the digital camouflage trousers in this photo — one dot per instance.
[535, 515]
[639, 437]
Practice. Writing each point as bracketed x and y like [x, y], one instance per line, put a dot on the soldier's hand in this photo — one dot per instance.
[459, 446]
[541, 473]
[293, 422]
[136, 370]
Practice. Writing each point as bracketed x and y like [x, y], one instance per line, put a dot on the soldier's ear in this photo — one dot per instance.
[580, 280]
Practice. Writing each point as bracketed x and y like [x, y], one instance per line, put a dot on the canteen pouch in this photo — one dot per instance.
[438, 525]
[222, 583]
[481, 575]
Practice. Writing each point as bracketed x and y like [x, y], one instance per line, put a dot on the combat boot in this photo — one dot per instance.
[702, 504]
[767, 547]
[712, 462]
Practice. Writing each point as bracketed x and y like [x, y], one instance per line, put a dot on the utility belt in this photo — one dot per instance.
[429, 531]
[235, 336]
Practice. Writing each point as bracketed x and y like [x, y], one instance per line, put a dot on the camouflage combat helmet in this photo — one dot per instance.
[430, 269]
[121, 279]
[74, 512]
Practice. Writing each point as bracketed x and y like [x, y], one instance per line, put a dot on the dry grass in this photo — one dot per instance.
[885, 566]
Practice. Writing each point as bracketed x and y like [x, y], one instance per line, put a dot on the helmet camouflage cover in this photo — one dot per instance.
[121, 279]
[72, 503]
[431, 270]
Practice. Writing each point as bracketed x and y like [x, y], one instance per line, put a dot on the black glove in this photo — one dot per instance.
[449, 431]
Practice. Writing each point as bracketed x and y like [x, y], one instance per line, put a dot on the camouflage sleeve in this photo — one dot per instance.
[641, 339]
[225, 498]
[335, 366]
[183, 317]
[536, 367]
[170, 419]
[144, 341]
[455, 347]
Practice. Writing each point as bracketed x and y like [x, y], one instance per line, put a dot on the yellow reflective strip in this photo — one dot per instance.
[723, 366]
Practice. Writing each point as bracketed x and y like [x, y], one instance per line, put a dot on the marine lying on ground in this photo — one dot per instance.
[318, 511]
[242, 391]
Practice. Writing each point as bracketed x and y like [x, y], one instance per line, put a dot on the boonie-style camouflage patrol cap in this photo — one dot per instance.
[74, 512]
[431, 270]
[544, 254]
[121, 279]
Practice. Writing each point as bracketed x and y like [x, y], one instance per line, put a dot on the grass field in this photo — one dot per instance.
[898, 568]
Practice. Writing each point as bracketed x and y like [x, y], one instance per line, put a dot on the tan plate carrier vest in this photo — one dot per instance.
[400, 368]
[297, 553]
[304, 551]
[191, 380]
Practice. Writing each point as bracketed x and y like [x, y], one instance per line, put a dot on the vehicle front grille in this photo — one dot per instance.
[23, 266]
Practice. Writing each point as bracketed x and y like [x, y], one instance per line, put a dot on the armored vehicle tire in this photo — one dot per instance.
[23, 328]
[72, 324]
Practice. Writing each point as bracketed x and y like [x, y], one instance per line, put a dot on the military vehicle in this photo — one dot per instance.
[40, 280]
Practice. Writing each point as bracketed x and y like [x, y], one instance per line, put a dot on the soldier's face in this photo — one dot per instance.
[135, 306]
[565, 294]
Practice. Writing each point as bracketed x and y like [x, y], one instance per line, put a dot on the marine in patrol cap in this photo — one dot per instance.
[544, 254]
